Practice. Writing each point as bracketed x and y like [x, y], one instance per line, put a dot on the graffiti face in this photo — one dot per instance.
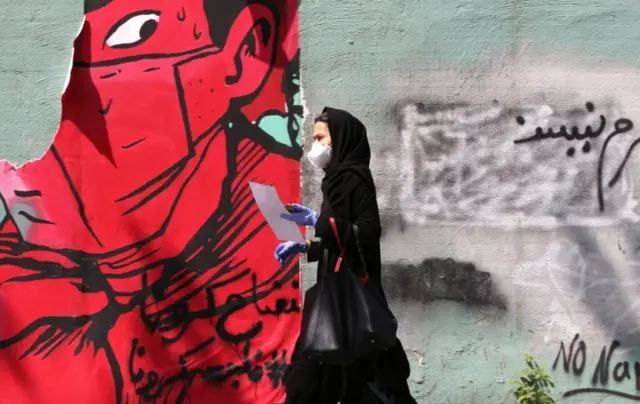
[147, 87]
[132, 256]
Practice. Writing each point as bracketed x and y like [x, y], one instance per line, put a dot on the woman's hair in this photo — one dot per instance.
[323, 117]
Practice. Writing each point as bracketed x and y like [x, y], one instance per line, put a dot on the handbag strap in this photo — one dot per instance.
[363, 261]
[334, 228]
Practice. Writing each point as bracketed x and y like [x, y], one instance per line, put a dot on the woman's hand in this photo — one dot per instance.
[301, 215]
[285, 250]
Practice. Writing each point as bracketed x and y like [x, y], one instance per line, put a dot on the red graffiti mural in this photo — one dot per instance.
[135, 266]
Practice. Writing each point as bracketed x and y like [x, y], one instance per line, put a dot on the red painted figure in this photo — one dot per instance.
[134, 264]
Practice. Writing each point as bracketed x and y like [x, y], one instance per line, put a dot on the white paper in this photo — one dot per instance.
[271, 207]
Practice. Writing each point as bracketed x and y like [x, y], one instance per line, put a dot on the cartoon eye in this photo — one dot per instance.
[133, 29]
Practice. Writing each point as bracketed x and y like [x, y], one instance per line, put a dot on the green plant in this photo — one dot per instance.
[534, 384]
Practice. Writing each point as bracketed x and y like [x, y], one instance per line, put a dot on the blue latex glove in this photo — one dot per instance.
[302, 215]
[285, 250]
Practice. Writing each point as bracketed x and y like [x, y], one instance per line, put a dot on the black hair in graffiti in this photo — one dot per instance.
[93, 5]
[291, 88]
[294, 111]
[222, 13]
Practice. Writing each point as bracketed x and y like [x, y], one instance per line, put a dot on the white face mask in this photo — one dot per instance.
[319, 155]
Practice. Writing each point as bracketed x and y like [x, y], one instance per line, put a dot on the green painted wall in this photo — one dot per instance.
[36, 48]
[351, 49]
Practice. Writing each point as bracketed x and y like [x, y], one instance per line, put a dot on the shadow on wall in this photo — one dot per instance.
[595, 281]
[437, 278]
[584, 276]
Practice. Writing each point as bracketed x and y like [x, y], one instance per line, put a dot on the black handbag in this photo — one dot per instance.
[345, 318]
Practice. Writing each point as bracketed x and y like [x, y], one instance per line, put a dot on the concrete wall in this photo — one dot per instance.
[36, 52]
[492, 248]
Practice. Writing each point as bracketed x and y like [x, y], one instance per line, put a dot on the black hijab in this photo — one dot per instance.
[350, 157]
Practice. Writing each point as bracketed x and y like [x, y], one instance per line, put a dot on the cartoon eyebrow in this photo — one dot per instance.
[27, 194]
[109, 75]
[33, 218]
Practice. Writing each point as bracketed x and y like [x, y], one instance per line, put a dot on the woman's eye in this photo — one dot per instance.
[133, 29]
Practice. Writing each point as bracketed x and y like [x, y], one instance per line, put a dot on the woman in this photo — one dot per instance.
[341, 149]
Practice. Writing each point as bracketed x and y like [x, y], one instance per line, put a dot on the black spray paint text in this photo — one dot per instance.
[574, 362]
[620, 126]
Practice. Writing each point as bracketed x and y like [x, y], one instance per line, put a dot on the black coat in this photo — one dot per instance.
[309, 382]
[363, 212]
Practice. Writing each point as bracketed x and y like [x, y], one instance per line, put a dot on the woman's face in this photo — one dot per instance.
[321, 133]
